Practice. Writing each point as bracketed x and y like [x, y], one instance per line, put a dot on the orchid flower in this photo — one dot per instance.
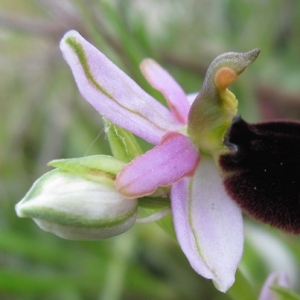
[208, 224]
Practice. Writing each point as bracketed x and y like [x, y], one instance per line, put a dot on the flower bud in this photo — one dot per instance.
[76, 208]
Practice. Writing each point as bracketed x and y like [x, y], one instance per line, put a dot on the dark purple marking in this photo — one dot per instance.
[263, 174]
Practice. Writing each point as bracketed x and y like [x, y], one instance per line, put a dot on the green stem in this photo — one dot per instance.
[242, 289]
[116, 272]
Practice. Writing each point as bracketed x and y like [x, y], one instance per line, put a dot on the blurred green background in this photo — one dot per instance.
[43, 117]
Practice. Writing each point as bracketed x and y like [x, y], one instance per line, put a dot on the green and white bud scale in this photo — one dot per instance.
[74, 207]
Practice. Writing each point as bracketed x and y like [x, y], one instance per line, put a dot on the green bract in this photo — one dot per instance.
[215, 106]
[97, 168]
[122, 143]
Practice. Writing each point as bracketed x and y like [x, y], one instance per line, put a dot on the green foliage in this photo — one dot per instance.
[242, 284]
[283, 293]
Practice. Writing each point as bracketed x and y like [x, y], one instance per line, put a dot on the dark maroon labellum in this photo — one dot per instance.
[262, 173]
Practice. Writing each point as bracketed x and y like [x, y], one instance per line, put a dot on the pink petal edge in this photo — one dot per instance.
[162, 81]
[174, 158]
[113, 94]
[208, 225]
[275, 278]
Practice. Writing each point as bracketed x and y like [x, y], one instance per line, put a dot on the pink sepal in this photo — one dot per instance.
[113, 94]
[174, 158]
[208, 225]
[162, 81]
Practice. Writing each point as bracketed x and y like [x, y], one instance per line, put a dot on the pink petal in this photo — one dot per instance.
[162, 81]
[174, 158]
[208, 225]
[276, 278]
[113, 94]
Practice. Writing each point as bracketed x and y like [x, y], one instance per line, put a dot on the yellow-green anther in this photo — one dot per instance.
[214, 108]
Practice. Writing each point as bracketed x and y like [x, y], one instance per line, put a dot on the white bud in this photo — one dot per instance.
[73, 207]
